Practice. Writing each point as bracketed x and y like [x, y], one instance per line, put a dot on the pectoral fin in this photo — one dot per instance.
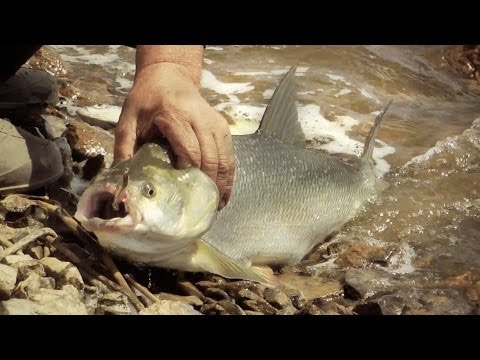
[210, 259]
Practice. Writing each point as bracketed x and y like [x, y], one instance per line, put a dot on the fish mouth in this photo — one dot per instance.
[96, 210]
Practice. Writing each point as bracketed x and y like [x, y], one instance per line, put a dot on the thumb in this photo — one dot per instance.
[125, 135]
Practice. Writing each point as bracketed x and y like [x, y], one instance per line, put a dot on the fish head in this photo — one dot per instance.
[146, 196]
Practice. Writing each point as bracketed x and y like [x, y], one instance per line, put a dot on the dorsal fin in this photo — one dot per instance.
[370, 140]
[281, 117]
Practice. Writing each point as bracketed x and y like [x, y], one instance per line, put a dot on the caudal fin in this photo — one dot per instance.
[370, 140]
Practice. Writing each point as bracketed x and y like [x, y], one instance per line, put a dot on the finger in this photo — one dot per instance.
[229, 185]
[226, 164]
[183, 141]
[208, 148]
[125, 135]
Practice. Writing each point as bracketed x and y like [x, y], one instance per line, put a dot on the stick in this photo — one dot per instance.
[25, 241]
[141, 288]
[108, 261]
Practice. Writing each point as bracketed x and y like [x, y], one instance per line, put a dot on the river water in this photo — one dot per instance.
[418, 244]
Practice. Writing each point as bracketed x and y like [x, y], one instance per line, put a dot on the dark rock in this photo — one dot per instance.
[217, 294]
[369, 308]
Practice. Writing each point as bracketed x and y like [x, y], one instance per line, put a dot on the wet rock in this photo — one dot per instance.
[393, 304]
[54, 125]
[246, 294]
[333, 308]
[191, 299]
[168, 307]
[251, 312]
[437, 302]
[104, 116]
[311, 309]
[360, 255]
[206, 284]
[312, 287]
[89, 141]
[425, 302]
[191, 289]
[217, 294]
[233, 288]
[277, 298]
[8, 279]
[31, 285]
[370, 308]
[114, 303]
[260, 306]
[63, 272]
[27, 267]
[231, 308]
[213, 309]
[17, 204]
[47, 59]
[289, 310]
[366, 283]
[46, 302]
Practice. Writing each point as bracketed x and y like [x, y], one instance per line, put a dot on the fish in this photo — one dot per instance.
[286, 199]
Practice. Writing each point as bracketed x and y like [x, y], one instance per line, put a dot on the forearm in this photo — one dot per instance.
[186, 59]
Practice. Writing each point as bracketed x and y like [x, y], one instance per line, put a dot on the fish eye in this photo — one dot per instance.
[148, 190]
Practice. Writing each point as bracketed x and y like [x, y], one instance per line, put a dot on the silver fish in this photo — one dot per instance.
[286, 200]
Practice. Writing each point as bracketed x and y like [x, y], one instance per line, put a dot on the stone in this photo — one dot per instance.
[63, 272]
[114, 303]
[46, 302]
[367, 283]
[32, 284]
[277, 298]
[169, 307]
[8, 279]
[27, 267]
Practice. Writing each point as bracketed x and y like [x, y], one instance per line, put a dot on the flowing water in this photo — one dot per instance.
[426, 227]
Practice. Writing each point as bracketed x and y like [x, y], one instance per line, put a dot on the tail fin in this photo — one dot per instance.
[370, 140]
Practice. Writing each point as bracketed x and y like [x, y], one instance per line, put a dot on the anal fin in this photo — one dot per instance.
[211, 260]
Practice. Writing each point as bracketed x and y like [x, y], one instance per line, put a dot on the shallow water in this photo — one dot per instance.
[429, 219]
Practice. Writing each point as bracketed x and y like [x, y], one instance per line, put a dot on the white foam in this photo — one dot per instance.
[246, 118]
[252, 73]
[208, 61]
[310, 92]
[402, 263]
[125, 84]
[369, 95]
[301, 70]
[315, 126]
[78, 185]
[209, 81]
[267, 94]
[95, 59]
[343, 92]
[335, 77]
[214, 48]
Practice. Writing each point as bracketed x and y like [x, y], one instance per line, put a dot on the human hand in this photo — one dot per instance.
[164, 100]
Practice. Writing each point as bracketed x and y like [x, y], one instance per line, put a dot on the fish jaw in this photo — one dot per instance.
[148, 249]
[89, 211]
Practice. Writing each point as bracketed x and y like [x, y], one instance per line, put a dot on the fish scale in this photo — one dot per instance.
[262, 223]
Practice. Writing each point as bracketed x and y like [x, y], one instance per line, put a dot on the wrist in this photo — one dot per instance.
[186, 61]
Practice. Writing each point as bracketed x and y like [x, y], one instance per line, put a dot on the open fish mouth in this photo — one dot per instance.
[100, 209]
